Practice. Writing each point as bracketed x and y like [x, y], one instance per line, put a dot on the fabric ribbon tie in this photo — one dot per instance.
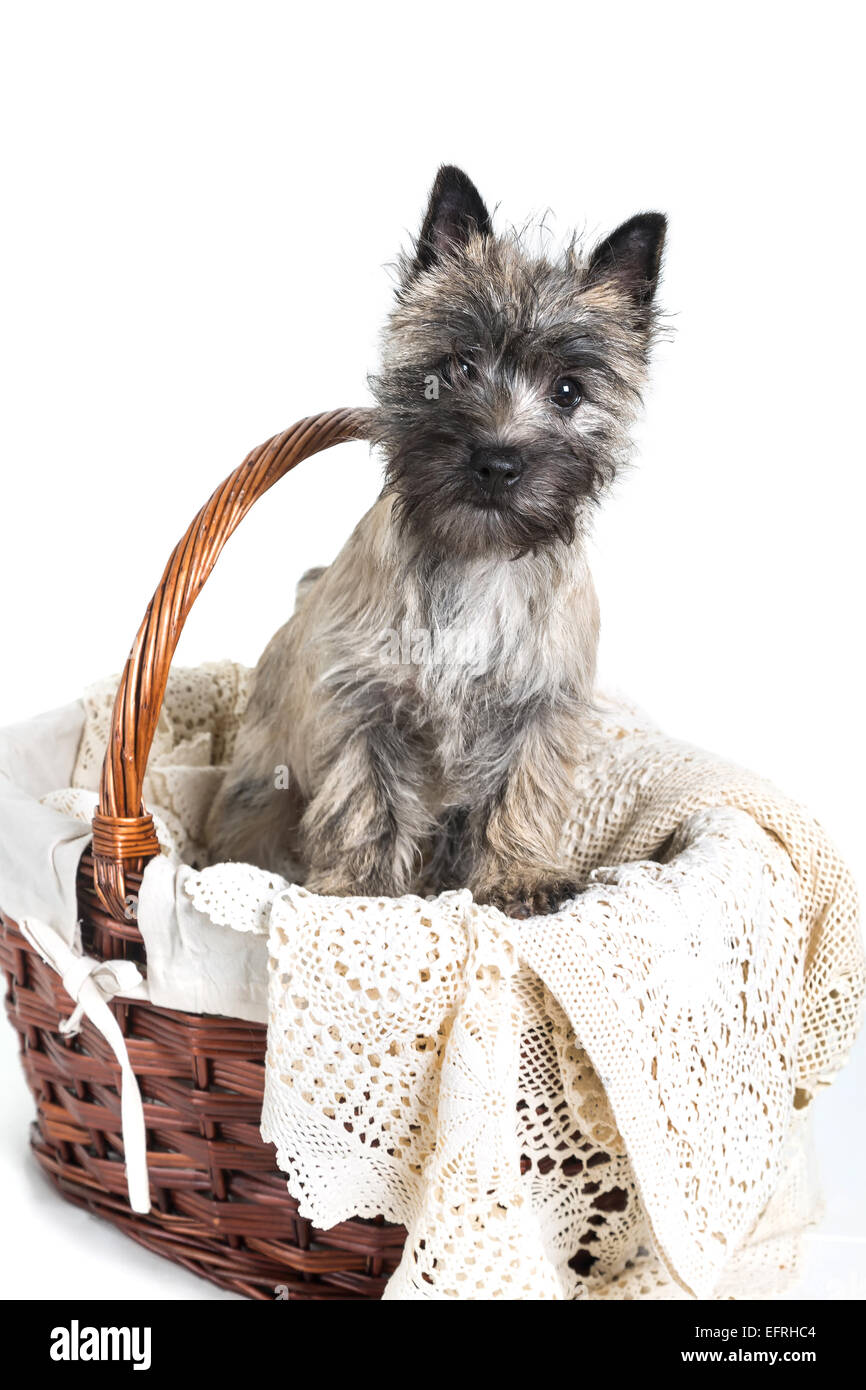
[92, 984]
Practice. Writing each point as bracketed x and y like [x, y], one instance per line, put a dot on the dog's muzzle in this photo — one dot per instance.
[495, 471]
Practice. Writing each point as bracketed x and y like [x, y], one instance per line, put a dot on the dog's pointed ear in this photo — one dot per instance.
[631, 257]
[455, 212]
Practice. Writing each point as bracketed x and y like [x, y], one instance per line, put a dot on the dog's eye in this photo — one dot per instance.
[566, 392]
[454, 367]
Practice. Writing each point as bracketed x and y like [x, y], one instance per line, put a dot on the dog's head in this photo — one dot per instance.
[509, 381]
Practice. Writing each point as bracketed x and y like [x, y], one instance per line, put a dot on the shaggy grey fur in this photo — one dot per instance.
[418, 721]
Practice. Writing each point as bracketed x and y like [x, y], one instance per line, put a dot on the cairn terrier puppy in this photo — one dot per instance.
[417, 723]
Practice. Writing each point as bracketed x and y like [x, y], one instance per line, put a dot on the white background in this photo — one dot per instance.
[199, 203]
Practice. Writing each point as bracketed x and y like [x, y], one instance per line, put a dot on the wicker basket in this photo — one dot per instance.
[219, 1205]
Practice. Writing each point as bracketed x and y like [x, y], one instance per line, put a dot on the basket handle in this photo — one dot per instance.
[123, 833]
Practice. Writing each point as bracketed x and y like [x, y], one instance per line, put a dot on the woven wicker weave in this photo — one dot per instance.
[220, 1207]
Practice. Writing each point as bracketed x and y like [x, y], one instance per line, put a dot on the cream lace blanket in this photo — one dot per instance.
[609, 1102]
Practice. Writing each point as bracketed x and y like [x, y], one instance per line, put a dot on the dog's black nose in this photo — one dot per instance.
[495, 470]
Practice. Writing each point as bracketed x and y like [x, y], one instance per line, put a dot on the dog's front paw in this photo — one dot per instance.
[337, 884]
[528, 897]
[329, 886]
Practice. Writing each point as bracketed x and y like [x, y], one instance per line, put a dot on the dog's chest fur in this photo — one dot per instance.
[483, 669]
[476, 652]
[491, 654]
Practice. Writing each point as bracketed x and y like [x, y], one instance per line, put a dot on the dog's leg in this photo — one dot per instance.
[517, 864]
[363, 832]
[254, 819]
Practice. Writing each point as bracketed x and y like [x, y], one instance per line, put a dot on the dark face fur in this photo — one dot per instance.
[508, 381]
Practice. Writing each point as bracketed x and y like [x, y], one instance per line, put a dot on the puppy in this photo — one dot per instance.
[417, 723]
